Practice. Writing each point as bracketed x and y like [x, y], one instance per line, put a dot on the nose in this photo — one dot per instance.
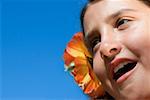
[109, 49]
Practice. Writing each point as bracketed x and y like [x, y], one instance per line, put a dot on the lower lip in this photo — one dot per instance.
[125, 76]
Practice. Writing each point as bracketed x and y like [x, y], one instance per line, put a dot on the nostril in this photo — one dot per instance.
[109, 50]
[110, 54]
[113, 50]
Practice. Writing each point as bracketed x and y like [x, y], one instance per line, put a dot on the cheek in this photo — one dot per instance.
[99, 67]
[138, 41]
[101, 72]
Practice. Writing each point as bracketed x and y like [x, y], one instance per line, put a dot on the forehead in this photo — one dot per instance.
[109, 6]
[103, 8]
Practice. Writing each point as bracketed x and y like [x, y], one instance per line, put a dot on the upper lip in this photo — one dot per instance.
[114, 63]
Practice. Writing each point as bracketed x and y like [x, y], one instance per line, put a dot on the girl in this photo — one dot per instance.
[117, 33]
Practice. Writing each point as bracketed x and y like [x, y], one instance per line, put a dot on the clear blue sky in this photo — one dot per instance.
[33, 36]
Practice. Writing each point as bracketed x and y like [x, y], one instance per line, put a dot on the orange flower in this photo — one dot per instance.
[76, 58]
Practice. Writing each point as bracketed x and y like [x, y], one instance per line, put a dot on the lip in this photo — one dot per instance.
[116, 62]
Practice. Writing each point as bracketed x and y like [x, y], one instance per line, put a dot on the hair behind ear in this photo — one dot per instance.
[82, 17]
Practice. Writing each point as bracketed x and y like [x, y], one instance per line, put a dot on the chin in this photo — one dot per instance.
[133, 96]
[136, 87]
[134, 92]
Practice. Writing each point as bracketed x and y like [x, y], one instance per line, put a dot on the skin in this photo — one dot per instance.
[130, 39]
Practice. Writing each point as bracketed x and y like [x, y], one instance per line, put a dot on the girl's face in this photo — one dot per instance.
[118, 31]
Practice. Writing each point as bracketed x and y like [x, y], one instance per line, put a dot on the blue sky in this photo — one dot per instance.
[33, 36]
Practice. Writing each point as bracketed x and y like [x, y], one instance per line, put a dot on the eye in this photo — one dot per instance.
[95, 41]
[121, 22]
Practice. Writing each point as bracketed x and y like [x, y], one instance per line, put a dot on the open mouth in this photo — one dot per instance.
[122, 69]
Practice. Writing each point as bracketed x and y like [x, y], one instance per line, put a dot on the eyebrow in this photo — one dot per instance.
[90, 34]
[114, 15]
[118, 13]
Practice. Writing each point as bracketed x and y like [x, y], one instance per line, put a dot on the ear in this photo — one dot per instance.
[77, 61]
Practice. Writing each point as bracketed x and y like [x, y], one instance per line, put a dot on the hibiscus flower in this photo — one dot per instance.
[78, 62]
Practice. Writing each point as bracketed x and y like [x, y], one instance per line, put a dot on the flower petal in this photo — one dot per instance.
[77, 60]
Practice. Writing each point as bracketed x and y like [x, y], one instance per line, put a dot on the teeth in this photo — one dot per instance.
[120, 66]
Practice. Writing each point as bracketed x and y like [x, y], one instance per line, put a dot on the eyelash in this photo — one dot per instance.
[95, 41]
[121, 21]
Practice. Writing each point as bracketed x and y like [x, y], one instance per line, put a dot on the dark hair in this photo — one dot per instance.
[146, 2]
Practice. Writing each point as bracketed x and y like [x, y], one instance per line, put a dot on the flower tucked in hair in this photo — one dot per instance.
[78, 62]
